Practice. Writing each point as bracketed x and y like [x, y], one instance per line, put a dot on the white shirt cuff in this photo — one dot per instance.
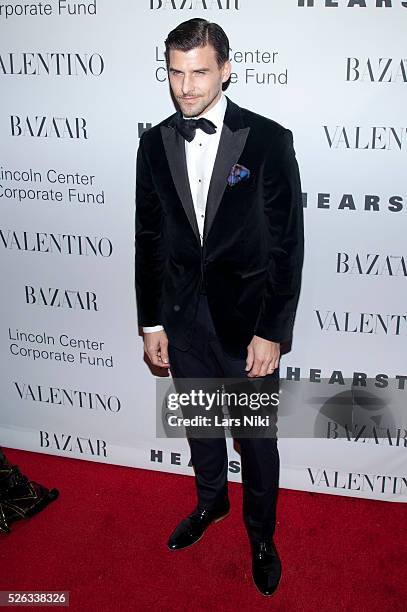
[154, 328]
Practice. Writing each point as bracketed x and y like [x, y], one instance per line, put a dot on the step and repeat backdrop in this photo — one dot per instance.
[80, 82]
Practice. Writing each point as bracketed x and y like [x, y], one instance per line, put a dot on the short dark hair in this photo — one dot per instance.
[198, 32]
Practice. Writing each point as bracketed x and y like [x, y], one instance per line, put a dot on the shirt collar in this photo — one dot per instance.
[216, 114]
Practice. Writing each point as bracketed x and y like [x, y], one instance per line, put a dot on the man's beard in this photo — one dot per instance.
[199, 110]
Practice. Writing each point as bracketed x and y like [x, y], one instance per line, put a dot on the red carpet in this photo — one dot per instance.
[104, 540]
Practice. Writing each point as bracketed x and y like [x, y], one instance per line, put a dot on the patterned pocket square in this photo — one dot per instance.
[238, 173]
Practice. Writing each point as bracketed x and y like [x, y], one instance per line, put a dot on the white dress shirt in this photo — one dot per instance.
[200, 156]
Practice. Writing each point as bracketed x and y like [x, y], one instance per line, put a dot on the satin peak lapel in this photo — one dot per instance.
[174, 146]
[231, 144]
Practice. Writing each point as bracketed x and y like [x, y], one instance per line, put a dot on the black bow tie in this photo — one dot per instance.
[188, 127]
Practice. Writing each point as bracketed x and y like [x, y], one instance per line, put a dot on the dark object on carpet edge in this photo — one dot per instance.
[20, 497]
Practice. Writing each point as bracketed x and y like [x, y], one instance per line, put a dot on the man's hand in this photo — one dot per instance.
[263, 357]
[156, 348]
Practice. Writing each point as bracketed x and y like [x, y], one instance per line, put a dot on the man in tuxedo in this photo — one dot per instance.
[219, 251]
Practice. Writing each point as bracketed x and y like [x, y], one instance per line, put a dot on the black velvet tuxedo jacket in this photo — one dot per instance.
[251, 258]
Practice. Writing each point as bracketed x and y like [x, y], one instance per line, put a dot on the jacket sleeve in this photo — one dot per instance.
[283, 210]
[149, 243]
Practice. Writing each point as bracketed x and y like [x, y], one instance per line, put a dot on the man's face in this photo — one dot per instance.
[196, 79]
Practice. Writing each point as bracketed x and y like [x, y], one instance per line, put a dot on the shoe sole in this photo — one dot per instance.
[200, 537]
[221, 517]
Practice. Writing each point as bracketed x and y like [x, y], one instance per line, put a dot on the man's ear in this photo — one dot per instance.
[226, 71]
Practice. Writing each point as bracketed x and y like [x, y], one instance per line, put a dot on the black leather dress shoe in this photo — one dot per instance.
[266, 567]
[191, 529]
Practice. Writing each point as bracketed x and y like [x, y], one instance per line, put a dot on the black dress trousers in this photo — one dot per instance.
[260, 462]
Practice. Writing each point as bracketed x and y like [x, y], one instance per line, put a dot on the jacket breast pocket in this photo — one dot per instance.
[248, 184]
